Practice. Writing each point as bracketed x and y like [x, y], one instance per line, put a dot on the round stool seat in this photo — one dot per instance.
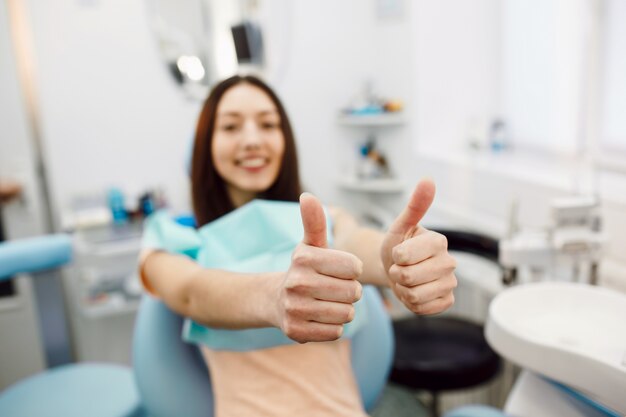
[75, 390]
[441, 353]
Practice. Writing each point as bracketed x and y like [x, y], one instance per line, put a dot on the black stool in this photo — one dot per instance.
[443, 353]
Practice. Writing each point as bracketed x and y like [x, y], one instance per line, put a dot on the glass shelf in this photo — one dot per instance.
[372, 120]
[377, 185]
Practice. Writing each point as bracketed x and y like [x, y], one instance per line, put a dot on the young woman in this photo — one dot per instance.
[244, 149]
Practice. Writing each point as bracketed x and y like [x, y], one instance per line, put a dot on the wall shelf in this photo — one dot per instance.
[382, 185]
[372, 120]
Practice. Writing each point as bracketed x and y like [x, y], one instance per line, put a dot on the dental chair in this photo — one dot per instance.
[570, 340]
[96, 390]
[170, 378]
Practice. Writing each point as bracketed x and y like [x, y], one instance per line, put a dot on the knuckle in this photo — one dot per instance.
[397, 291]
[417, 308]
[453, 262]
[292, 290]
[414, 298]
[453, 282]
[358, 267]
[331, 333]
[296, 333]
[441, 241]
[358, 292]
[394, 272]
[291, 308]
[451, 300]
[338, 332]
[289, 329]
[432, 310]
[301, 257]
[405, 276]
[350, 312]
[398, 254]
[296, 284]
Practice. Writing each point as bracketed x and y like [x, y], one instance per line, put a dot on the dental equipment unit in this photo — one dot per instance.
[570, 249]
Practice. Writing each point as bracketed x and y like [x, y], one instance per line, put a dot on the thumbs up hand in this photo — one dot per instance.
[317, 293]
[417, 261]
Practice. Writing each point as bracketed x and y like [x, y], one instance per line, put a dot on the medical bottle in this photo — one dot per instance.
[116, 205]
[498, 136]
[367, 167]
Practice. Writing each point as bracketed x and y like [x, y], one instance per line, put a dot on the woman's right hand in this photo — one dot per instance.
[318, 291]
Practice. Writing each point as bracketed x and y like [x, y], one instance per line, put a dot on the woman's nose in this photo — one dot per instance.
[251, 134]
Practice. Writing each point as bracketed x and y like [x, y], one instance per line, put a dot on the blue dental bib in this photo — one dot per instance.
[257, 237]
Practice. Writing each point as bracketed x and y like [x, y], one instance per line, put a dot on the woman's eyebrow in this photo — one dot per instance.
[229, 114]
[268, 113]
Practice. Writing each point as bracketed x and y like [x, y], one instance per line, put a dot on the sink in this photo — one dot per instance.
[572, 333]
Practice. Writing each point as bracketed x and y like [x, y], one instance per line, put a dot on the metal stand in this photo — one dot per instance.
[434, 404]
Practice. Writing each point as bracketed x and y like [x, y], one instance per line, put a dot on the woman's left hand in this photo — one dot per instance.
[419, 267]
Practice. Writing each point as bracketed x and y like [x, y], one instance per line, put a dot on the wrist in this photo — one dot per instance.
[268, 301]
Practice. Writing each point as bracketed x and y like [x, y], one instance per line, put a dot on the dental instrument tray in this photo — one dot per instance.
[572, 333]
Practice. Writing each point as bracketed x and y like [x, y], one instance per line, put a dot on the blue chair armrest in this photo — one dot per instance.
[34, 254]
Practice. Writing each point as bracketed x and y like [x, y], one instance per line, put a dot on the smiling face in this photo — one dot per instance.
[248, 142]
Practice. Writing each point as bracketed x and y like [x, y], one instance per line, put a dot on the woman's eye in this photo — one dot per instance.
[229, 127]
[269, 125]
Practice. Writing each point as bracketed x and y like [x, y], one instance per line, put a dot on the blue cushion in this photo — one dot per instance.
[171, 375]
[372, 349]
[74, 391]
[34, 254]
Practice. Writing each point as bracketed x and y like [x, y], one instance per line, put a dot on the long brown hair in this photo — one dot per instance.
[209, 193]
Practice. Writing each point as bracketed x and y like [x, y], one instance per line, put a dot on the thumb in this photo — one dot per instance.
[418, 205]
[313, 220]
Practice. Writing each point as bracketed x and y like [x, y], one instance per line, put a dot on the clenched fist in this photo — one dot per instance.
[419, 267]
[319, 289]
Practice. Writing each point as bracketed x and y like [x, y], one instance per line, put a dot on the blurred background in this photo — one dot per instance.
[516, 108]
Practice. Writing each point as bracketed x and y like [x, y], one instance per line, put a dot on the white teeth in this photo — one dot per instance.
[252, 163]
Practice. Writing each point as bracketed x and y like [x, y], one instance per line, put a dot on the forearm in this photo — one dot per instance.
[212, 297]
[362, 242]
[365, 243]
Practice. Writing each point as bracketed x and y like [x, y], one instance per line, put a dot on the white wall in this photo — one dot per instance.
[16, 148]
[614, 87]
[543, 52]
[111, 115]
[457, 69]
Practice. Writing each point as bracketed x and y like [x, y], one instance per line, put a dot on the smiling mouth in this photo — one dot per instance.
[252, 163]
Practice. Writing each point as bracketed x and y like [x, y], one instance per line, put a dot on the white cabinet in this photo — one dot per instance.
[104, 292]
[21, 351]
